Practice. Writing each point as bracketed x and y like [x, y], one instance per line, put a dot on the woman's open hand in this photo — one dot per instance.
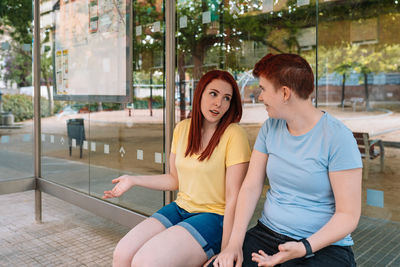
[123, 184]
[287, 251]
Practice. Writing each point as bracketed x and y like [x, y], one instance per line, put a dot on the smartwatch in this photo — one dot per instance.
[307, 245]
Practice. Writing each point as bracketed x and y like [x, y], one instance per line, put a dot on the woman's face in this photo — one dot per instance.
[215, 100]
[271, 98]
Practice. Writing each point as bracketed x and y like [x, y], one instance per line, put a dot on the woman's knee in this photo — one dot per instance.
[140, 260]
[121, 256]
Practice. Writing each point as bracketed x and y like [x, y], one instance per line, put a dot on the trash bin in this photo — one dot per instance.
[76, 130]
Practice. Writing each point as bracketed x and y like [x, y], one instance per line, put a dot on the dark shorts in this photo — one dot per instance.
[205, 227]
[261, 237]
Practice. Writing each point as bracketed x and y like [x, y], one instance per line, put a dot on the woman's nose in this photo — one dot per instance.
[217, 102]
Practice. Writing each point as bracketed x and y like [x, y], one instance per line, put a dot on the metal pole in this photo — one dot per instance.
[36, 108]
[170, 84]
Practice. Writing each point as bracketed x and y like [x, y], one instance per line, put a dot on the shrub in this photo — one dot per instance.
[19, 105]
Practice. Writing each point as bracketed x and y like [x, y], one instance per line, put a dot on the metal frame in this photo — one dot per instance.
[170, 85]
[36, 109]
[17, 185]
[99, 207]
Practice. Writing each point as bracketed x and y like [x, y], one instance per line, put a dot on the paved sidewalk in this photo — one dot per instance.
[68, 236]
[71, 236]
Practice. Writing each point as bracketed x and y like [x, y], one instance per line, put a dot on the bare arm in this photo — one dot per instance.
[346, 186]
[234, 179]
[248, 197]
[166, 182]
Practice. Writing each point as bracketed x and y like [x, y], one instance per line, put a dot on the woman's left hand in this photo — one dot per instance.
[287, 251]
[209, 261]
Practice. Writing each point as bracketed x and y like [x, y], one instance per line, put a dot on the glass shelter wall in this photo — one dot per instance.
[352, 46]
[359, 83]
[16, 94]
[94, 137]
[354, 56]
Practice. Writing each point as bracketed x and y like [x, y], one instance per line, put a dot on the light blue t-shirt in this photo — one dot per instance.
[300, 200]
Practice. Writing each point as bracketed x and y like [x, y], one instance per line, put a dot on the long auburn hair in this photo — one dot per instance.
[232, 115]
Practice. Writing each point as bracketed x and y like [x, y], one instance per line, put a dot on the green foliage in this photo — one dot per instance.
[17, 66]
[19, 105]
[109, 106]
[18, 15]
[143, 103]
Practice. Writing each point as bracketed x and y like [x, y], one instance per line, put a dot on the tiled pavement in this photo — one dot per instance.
[71, 236]
[68, 236]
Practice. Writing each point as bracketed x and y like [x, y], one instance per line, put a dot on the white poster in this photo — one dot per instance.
[91, 48]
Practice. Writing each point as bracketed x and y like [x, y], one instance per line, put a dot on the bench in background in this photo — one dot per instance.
[368, 150]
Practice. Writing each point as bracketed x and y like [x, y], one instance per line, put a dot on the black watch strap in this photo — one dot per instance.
[307, 245]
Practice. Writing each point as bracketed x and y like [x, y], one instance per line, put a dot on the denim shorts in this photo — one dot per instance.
[261, 237]
[205, 227]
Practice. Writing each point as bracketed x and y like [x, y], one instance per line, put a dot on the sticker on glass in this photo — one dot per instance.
[93, 146]
[85, 145]
[268, 6]
[303, 2]
[106, 149]
[138, 30]
[139, 154]
[206, 17]
[157, 157]
[183, 22]
[156, 26]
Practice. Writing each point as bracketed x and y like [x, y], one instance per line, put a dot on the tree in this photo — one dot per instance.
[18, 66]
[16, 16]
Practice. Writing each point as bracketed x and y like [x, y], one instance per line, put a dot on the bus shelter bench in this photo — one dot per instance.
[368, 150]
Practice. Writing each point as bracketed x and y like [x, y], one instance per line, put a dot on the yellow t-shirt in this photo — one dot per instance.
[202, 183]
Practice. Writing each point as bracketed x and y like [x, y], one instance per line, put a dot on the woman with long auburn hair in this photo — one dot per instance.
[209, 159]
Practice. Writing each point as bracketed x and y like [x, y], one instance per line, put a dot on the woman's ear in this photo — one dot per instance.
[287, 93]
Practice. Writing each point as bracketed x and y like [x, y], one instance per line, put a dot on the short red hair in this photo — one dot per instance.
[288, 70]
[232, 115]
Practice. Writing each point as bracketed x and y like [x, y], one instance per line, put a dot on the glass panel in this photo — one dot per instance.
[16, 91]
[359, 83]
[66, 144]
[64, 133]
[130, 136]
[234, 35]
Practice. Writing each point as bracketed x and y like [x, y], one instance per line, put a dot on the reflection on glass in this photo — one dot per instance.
[65, 145]
[16, 91]
[129, 136]
[358, 82]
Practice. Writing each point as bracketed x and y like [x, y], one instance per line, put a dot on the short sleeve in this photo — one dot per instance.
[344, 153]
[238, 148]
[176, 137]
[260, 144]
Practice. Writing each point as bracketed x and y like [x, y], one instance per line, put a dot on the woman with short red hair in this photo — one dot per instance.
[209, 158]
[314, 172]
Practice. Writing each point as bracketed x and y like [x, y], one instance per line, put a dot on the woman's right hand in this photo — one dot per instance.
[123, 184]
[231, 256]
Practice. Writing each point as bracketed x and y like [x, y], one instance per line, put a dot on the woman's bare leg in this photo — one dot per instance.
[173, 247]
[134, 240]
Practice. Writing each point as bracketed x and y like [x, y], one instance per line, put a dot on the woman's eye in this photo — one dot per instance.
[227, 98]
[213, 93]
